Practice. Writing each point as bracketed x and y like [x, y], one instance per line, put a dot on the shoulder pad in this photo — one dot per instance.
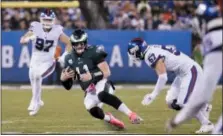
[33, 24]
[58, 27]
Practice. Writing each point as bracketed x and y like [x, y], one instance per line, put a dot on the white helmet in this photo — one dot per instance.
[47, 18]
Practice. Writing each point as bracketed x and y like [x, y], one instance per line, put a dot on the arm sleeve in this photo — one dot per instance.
[99, 55]
[162, 79]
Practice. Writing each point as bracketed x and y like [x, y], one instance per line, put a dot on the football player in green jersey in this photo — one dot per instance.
[87, 65]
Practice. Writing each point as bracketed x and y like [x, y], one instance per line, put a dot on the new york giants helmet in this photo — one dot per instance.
[136, 48]
[47, 18]
[208, 11]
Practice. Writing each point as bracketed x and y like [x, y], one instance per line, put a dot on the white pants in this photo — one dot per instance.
[184, 85]
[37, 72]
[212, 72]
[91, 99]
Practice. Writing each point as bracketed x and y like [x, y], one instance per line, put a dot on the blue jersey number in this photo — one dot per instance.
[152, 58]
[40, 44]
[171, 49]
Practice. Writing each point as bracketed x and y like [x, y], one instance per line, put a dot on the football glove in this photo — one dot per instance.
[148, 99]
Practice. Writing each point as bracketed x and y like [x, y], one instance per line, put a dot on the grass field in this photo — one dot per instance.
[64, 113]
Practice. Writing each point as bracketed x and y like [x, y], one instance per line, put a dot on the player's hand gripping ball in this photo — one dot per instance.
[67, 74]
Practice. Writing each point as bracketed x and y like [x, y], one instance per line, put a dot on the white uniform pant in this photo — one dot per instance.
[41, 69]
[212, 72]
[37, 72]
[184, 85]
[91, 99]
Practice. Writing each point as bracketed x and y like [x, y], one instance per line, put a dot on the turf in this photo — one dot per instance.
[64, 113]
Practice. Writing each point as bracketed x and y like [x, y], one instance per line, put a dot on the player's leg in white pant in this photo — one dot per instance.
[200, 97]
[34, 93]
[111, 91]
[173, 92]
[115, 102]
[212, 72]
[218, 129]
[191, 83]
[44, 70]
[48, 69]
[37, 88]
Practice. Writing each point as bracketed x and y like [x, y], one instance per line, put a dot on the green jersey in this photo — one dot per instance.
[87, 61]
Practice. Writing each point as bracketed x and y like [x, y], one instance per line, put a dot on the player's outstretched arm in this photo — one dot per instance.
[66, 40]
[162, 77]
[27, 37]
[160, 69]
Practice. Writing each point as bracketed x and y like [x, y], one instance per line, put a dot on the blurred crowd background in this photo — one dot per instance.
[125, 14]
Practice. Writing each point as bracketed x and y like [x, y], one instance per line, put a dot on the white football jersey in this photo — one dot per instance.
[174, 60]
[43, 47]
[212, 39]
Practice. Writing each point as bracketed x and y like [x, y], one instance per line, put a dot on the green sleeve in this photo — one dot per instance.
[98, 54]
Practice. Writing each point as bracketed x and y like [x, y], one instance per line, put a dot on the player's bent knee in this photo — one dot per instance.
[37, 76]
[169, 99]
[97, 112]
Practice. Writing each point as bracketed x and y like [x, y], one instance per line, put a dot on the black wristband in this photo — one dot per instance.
[97, 75]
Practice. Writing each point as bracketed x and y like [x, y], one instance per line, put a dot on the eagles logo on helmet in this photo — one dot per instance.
[79, 41]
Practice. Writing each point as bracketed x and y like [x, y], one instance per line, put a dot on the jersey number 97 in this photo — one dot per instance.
[40, 44]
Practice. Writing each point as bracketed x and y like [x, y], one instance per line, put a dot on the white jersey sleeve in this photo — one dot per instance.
[59, 29]
[32, 25]
[152, 56]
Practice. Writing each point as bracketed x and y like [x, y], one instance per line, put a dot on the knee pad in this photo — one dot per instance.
[97, 113]
[174, 105]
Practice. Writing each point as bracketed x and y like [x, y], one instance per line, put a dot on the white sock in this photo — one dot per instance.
[34, 92]
[107, 118]
[124, 109]
[36, 89]
[202, 118]
[39, 89]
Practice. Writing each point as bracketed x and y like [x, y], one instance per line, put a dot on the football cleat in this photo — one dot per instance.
[170, 125]
[205, 128]
[41, 103]
[134, 118]
[35, 111]
[115, 121]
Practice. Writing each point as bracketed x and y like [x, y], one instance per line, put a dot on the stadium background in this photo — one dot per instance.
[112, 24]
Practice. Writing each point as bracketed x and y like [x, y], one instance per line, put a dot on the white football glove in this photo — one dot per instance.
[148, 99]
[32, 37]
[28, 38]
